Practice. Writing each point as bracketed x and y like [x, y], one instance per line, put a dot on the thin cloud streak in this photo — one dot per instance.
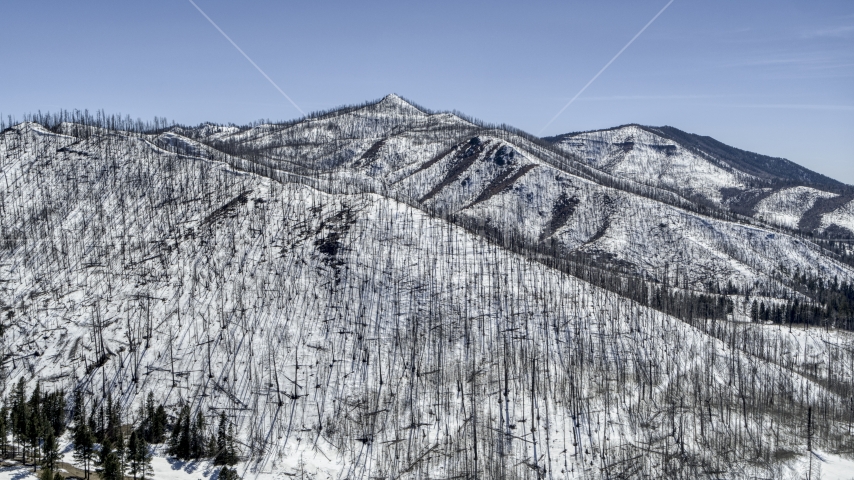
[796, 106]
[247, 56]
[614, 98]
[606, 66]
[842, 31]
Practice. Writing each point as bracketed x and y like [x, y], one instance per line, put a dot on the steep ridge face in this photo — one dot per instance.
[787, 206]
[705, 169]
[637, 153]
[505, 183]
[364, 295]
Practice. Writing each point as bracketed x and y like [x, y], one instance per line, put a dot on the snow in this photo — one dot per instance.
[16, 472]
[842, 217]
[643, 156]
[351, 333]
[835, 467]
[633, 152]
[786, 207]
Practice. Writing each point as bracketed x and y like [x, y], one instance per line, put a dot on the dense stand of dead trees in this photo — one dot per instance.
[394, 342]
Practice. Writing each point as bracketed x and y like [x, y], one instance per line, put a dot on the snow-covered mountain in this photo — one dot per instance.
[382, 291]
[701, 168]
[515, 186]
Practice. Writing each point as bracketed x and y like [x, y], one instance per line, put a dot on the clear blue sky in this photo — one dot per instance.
[775, 77]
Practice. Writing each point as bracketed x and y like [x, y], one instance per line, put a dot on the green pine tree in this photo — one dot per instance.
[108, 461]
[197, 437]
[20, 416]
[106, 449]
[179, 442]
[84, 446]
[185, 440]
[51, 452]
[221, 456]
[227, 473]
[47, 474]
[35, 425]
[159, 424]
[112, 468]
[232, 458]
[133, 464]
[79, 413]
[4, 428]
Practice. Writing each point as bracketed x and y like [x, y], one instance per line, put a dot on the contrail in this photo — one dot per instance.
[603, 68]
[247, 56]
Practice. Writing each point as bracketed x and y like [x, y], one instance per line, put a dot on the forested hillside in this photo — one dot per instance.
[382, 291]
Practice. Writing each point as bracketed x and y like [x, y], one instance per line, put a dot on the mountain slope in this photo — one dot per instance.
[705, 169]
[370, 293]
[499, 181]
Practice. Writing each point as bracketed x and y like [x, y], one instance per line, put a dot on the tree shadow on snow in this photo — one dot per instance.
[188, 466]
[19, 472]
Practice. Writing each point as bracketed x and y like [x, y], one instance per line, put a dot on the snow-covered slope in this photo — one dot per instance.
[842, 217]
[301, 279]
[787, 207]
[641, 155]
[504, 182]
[702, 168]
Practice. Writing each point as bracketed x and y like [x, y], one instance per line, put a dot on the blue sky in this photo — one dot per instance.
[775, 77]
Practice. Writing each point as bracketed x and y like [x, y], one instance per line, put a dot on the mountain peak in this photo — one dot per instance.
[396, 103]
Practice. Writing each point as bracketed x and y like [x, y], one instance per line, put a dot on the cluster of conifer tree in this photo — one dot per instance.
[34, 425]
[102, 442]
[841, 246]
[827, 303]
[103, 426]
[190, 439]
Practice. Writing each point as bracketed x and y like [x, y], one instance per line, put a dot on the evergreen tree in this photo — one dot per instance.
[53, 408]
[226, 452]
[154, 420]
[112, 467]
[211, 447]
[144, 457]
[133, 465]
[185, 441]
[227, 473]
[94, 426]
[232, 458]
[119, 449]
[138, 455]
[159, 425]
[48, 474]
[35, 423]
[108, 461]
[221, 457]
[51, 452]
[79, 414]
[113, 418]
[19, 416]
[181, 441]
[197, 437]
[149, 410]
[106, 449]
[84, 446]
[4, 428]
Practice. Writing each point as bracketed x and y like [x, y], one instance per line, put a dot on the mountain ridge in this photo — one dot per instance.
[770, 169]
[380, 291]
